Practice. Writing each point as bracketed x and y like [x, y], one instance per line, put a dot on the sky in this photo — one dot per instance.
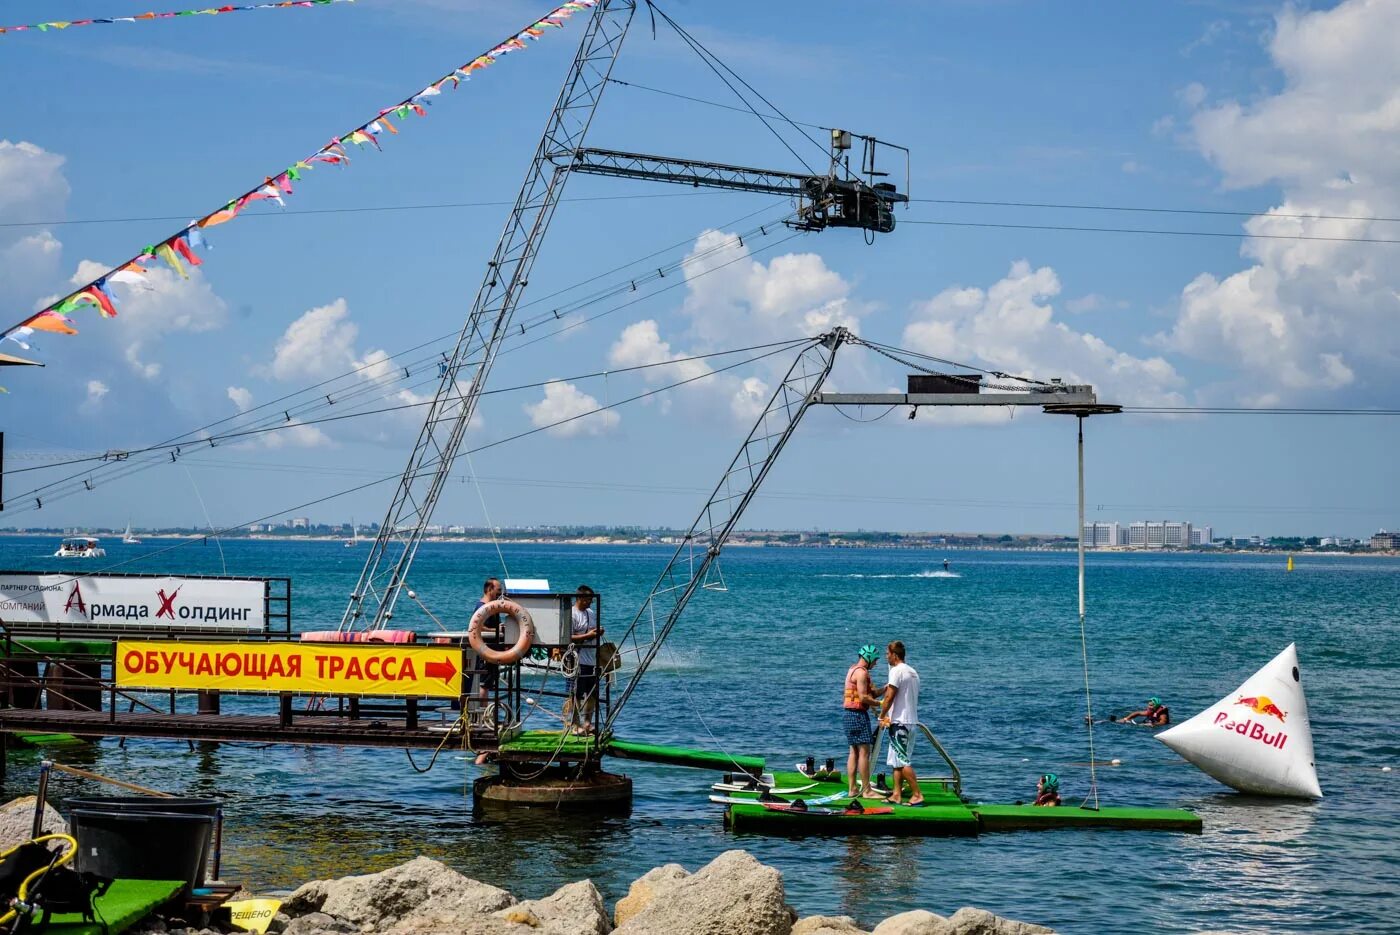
[1270, 111]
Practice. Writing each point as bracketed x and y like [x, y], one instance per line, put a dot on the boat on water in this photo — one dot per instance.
[354, 539]
[128, 537]
[80, 547]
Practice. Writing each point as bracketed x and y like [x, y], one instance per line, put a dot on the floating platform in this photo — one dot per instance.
[125, 903]
[943, 813]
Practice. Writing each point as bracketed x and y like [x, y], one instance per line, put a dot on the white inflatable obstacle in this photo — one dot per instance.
[1256, 739]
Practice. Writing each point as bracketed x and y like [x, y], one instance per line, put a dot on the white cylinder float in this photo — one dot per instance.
[1256, 739]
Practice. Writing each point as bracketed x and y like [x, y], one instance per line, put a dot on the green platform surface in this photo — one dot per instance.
[549, 744]
[38, 646]
[126, 903]
[684, 756]
[1033, 818]
[943, 813]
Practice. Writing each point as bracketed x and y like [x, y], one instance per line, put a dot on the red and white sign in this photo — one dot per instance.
[91, 602]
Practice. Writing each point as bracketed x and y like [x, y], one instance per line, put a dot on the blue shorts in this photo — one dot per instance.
[857, 725]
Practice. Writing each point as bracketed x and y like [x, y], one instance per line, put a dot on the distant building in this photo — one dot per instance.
[1176, 535]
[1202, 535]
[301, 522]
[1385, 540]
[1101, 535]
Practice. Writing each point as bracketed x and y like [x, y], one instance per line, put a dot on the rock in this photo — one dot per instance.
[970, 921]
[421, 888]
[646, 888]
[575, 909]
[828, 925]
[732, 895]
[319, 923]
[966, 921]
[17, 821]
[915, 922]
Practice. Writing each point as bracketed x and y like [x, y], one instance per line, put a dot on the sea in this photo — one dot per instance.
[757, 668]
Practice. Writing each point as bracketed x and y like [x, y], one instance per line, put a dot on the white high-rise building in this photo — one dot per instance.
[1202, 535]
[1101, 535]
[1176, 535]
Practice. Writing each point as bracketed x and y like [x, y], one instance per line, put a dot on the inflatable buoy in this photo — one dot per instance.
[1256, 739]
[502, 657]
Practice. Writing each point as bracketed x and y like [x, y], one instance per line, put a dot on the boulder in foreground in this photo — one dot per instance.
[734, 894]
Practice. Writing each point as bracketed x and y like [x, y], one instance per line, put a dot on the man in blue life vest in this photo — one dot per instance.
[899, 715]
[856, 701]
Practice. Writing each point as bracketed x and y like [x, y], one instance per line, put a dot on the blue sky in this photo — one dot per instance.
[1220, 106]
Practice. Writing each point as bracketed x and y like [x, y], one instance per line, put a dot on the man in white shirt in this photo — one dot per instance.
[899, 715]
[584, 635]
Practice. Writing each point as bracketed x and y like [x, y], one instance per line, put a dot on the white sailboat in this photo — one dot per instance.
[128, 537]
[354, 536]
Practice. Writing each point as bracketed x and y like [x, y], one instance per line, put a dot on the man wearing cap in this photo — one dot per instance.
[855, 710]
[1156, 714]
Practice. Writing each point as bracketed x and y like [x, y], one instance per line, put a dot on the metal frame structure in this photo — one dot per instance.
[684, 574]
[507, 274]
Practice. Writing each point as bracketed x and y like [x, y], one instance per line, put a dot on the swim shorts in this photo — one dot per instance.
[901, 745]
[857, 725]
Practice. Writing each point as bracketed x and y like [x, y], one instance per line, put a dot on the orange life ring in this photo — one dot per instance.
[515, 612]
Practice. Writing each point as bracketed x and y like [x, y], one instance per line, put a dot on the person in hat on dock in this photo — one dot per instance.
[899, 715]
[1155, 714]
[856, 701]
[583, 687]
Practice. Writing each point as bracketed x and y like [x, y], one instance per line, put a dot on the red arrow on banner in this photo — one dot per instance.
[440, 670]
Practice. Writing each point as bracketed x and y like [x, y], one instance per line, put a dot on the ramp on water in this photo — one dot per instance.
[943, 814]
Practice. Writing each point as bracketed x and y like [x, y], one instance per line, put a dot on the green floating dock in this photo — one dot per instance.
[943, 814]
[684, 756]
[553, 744]
[125, 903]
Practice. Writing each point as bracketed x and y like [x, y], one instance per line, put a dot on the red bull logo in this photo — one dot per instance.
[1253, 729]
[1263, 705]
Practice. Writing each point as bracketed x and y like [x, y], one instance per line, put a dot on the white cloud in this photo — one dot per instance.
[32, 184]
[32, 188]
[1085, 303]
[319, 344]
[295, 436]
[640, 344]
[565, 401]
[1011, 327]
[1308, 315]
[96, 389]
[159, 304]
[733, 300]
[728, 293]
[1193, 95]
[241, 398]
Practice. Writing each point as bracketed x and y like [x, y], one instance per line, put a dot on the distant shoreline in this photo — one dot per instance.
[1061, 546]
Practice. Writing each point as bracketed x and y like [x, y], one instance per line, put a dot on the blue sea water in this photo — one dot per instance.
[758, 669]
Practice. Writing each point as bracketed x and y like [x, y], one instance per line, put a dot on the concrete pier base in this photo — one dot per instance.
[592, 791]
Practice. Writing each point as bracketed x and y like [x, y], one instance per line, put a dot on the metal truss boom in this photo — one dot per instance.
[507, 274]
[695, 557]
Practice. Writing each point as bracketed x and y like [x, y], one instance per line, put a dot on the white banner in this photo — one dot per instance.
[96, 602]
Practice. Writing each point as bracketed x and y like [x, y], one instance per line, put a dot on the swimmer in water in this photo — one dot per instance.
[945, 564]
[1047, 790]
[1156, 714]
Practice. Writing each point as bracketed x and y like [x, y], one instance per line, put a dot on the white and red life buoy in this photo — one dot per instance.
[501, 657]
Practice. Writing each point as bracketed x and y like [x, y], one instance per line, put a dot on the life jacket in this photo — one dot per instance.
[1161, 715]
[851, 700]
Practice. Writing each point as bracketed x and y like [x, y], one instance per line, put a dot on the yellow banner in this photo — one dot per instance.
[253, 915]
[323, 668]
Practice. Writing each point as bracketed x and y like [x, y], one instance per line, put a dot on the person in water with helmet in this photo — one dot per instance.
[856, 701]
[1047, 790]
[1156, 714]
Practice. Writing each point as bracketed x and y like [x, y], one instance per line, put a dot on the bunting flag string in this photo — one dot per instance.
[178, 250]
[57, 25]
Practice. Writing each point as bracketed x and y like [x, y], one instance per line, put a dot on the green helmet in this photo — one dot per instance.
[870, 653]
[1154, 702]
[1050, 781]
